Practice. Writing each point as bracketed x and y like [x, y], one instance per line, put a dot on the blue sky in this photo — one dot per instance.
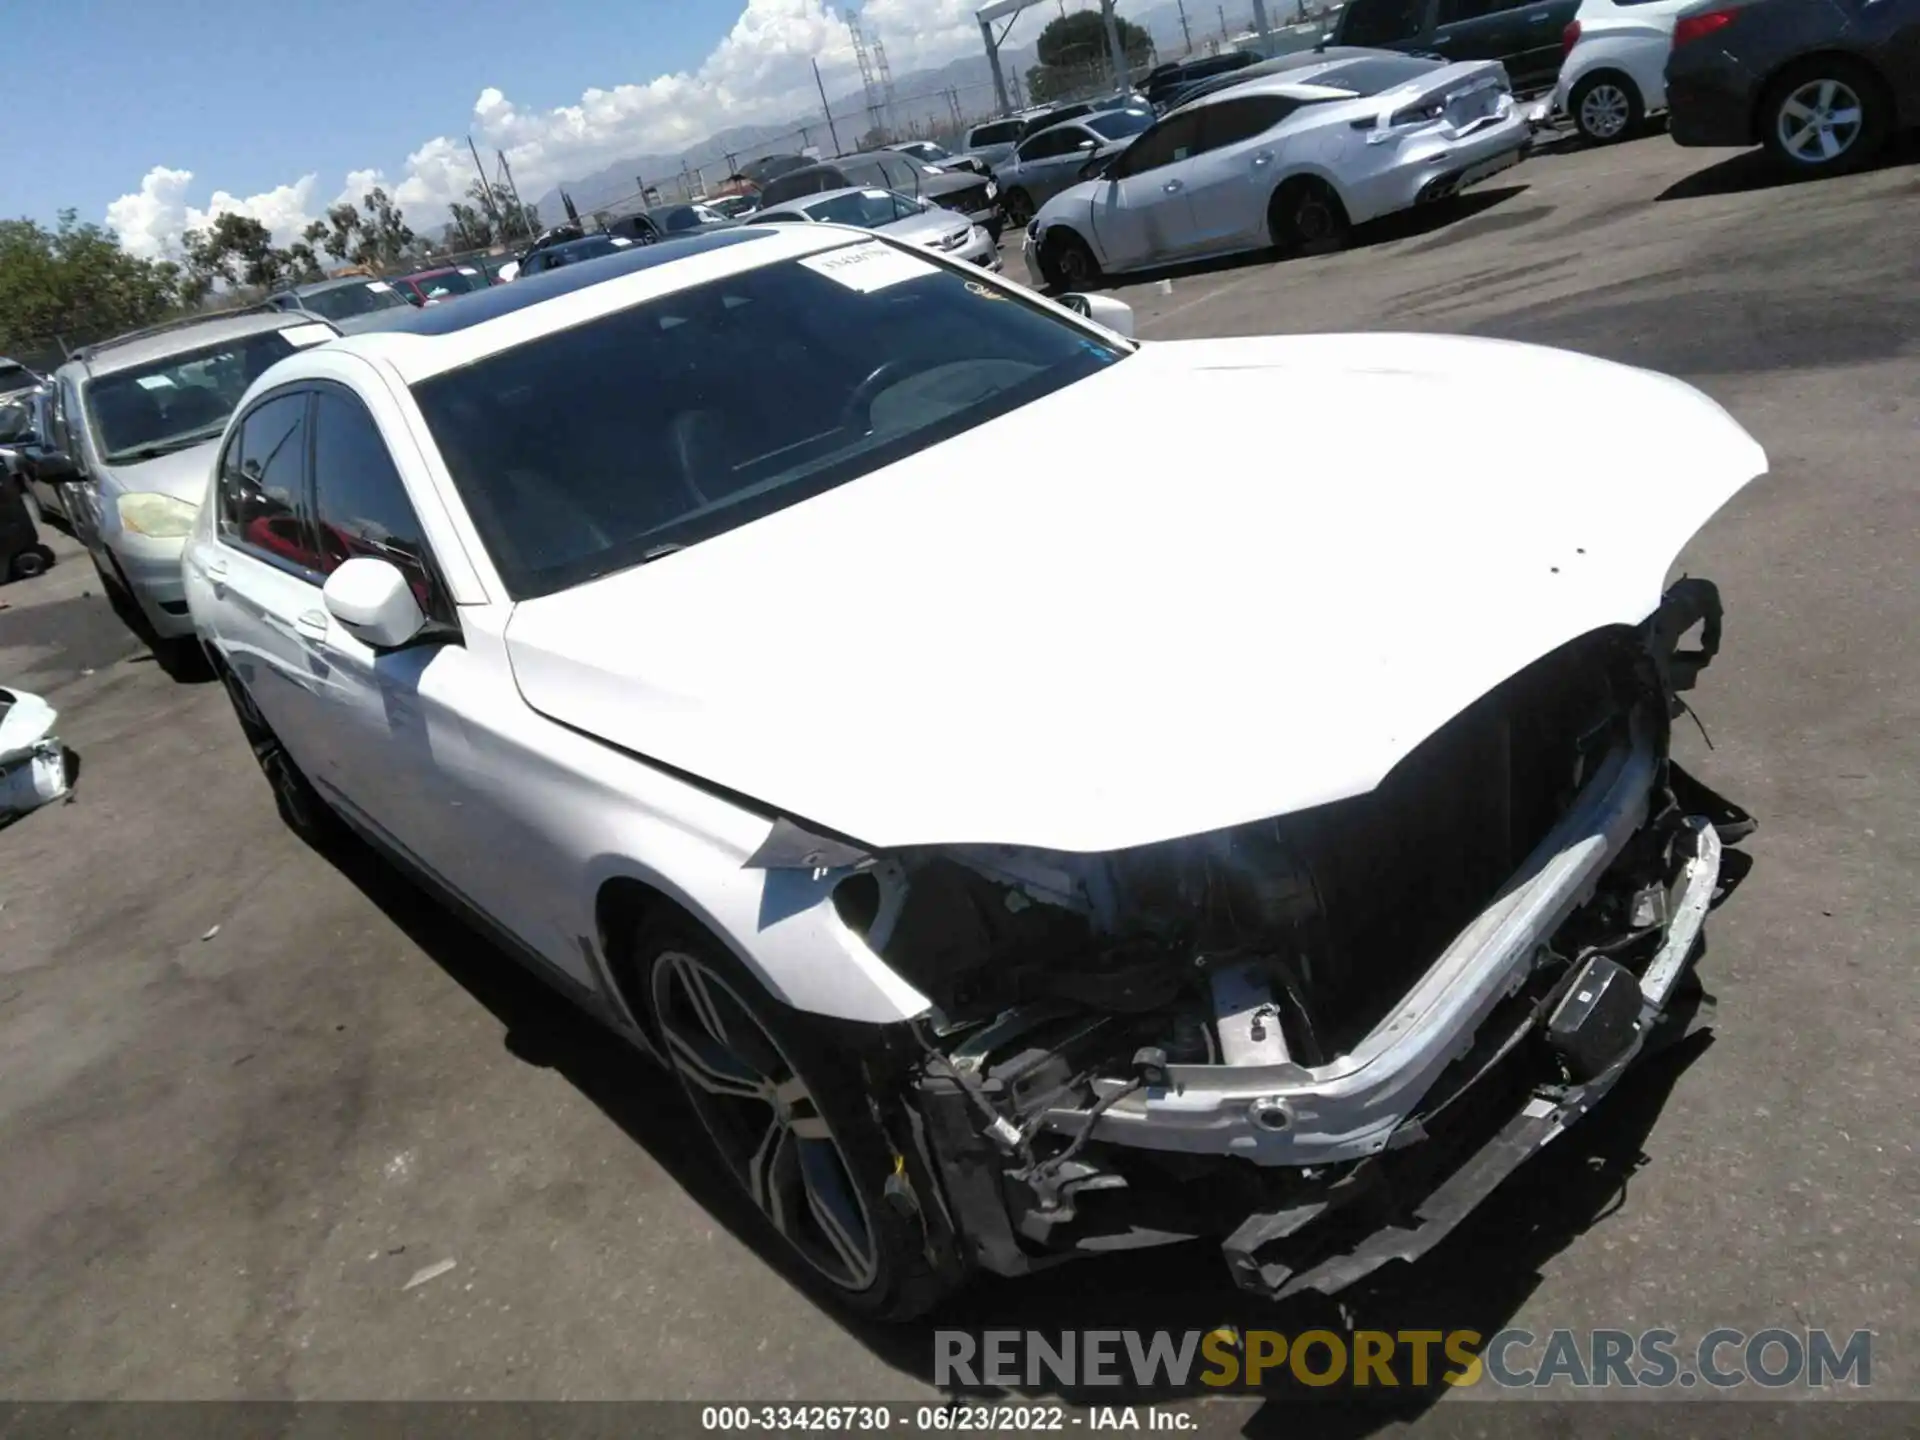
[159, 114]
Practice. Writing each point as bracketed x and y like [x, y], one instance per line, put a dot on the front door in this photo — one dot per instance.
[1141, 215]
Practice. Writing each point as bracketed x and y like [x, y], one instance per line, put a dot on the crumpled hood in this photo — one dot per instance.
[183, 474]
[1220, 580]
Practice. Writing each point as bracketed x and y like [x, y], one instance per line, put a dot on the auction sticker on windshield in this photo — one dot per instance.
[868, 267]
[304, 335]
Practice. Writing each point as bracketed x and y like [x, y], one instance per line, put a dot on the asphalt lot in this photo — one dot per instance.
[227, 1152]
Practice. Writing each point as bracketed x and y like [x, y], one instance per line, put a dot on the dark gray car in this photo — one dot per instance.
[1820, 83]
[351, 304]
[1523, 35]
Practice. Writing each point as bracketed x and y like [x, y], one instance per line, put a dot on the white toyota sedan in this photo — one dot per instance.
[1287, 160]
[1170, 836]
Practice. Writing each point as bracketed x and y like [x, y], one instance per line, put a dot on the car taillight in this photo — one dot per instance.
[1569, 38]
[1698, 27]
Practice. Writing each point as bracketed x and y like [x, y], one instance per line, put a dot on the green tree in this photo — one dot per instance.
[76, 282]
[489, 218]
[1073, 52]
[385, 238]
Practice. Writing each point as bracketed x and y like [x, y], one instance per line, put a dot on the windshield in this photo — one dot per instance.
[345, 301]
[1118, 124]
[869, 209]
[149, 410]
[605, 444]
[451, 282]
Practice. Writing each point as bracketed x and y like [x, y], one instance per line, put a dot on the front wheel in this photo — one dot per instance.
[1019, 207]
[1606, 108]
[299, 804]
[1825, 116]
[1068, 262]
[785, 1115]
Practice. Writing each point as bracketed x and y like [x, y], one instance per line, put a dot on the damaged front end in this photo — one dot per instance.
[1322, 1038]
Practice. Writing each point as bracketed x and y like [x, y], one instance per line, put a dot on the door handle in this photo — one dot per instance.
[312, 624]
[216, 566]
[1539, 19]
[1172, 187]
[1263, 159]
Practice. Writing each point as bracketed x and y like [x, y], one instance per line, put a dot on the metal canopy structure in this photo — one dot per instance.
[1009, 10]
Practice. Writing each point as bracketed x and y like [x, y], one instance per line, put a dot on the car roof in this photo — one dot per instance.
[1295, 81]
[112, 356]
[445, 337]
[338, 282]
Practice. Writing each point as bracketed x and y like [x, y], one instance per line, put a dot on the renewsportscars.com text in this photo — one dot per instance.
[1510, 1359]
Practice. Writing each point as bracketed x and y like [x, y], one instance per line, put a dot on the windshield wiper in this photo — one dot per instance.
[167, 447]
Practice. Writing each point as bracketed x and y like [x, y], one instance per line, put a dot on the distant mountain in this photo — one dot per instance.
[920, 105]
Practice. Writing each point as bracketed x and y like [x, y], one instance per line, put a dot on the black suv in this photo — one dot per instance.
[1524, 35]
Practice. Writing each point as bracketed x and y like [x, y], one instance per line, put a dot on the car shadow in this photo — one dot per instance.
[1477, 1279]
[1752, 171]
[1411, 224]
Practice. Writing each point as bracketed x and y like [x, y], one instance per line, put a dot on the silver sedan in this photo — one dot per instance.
[900, 217]
[1047, 162]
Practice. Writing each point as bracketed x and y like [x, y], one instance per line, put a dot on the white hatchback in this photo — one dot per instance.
[1614, 74]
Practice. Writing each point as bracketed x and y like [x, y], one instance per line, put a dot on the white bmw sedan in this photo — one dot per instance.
[1171, 837]
[1287, 160]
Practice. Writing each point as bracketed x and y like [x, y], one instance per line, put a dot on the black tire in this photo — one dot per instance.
[1305, 215]
[34, 560]
[1019, 207]
[1068, 262]
[1801, 120]
[1606, 107]
[299, 804]
[804, 1147]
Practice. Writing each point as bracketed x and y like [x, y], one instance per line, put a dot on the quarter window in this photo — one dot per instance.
[1228, 122]
[360, 503]
[262, 483]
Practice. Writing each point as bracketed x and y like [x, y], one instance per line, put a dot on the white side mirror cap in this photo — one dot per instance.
[1103, 310]
[373, 601]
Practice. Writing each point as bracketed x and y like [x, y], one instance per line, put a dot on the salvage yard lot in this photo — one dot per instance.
[228, 1150]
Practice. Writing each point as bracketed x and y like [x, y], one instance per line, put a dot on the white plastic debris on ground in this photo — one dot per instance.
[33, 765]
[1538, 112]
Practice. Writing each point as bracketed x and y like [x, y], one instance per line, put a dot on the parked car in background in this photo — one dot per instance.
[1046, 163]
[351, 304]
[1279, 65]
[1286, 161]
[929, 153]
[573, 252]
[1303, 981]
[1163, 82]
[134, 425]
[992, 141]
[1523, 35]
[899, 217]
[733, 207]
[1821, 83]
[442, 283]
[771, 167]
[669, 222]
[963, 191]
[1614, 73]
[26, 423]
[16, 378]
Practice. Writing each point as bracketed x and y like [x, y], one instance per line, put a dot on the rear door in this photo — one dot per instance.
[1051, 161]
[1537, 30]
[1385, 24]
[1482, 30]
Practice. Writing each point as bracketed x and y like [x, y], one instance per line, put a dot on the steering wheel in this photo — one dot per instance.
[858, 411]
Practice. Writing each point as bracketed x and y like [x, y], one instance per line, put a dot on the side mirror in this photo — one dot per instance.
[1088, 145]
[372, 599]
[55, 467]
[1103, 310]
[1096, 167]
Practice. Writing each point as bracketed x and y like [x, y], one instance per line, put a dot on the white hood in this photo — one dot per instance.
[1218, 581]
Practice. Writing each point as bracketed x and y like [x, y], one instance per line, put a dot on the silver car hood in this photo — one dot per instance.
[183, 474]
[1146, 629]
[927, 227]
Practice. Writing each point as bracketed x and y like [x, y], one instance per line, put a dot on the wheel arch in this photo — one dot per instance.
[1307, 174]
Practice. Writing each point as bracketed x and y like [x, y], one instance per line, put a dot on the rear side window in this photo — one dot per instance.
[1381, 22]
[1228, 122]
[1175, 138]
[262, 484]
[1003, 132]
[1049, 144]
[360, 503]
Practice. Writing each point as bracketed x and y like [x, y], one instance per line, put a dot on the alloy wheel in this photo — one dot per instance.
[1820, 121]
[763, 1119]
[1312, 218]
[1604, 111]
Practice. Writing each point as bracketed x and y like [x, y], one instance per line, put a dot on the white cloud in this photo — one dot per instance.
[759, 72]
[152, 219]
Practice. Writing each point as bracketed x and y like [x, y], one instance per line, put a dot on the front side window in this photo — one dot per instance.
[150, 410]
[1051, 144]
[1175, 138]
[1119, 124]
[360, 504]
[606, 444]
[1002, 132]
[1381, 22]
[263, 480]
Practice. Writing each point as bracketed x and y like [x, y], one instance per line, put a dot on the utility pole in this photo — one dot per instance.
[1225, 34]
[519, 210]
[486, 191]
[1186, 32]
[1122, 77]
[1260, 23]
[821, 85]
